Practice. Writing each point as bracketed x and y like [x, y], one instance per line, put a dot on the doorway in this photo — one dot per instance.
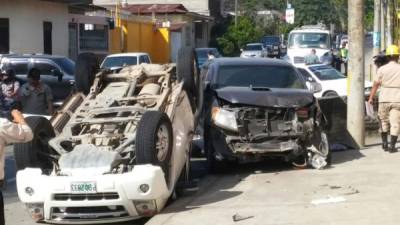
[73, 41]
[4, 35]
[47, 38]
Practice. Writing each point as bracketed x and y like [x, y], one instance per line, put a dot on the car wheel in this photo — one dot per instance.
[36, 153]
[85, 71]
[213, 165]
[321, 143]
[330, 94]
[154, 140]
[185, 70]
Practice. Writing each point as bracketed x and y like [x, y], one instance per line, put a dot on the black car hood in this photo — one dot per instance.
[274, 97]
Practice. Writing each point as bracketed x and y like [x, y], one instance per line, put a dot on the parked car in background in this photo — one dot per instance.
[56, 71]
[254, 50]
[260, 108]
[333, 82]
[201, 56]
[117, 61]
[273, 45]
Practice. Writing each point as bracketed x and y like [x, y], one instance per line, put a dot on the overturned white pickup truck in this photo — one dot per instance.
[113, 155]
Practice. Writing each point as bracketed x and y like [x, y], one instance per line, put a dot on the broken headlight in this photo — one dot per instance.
[36, 211]
[224, 119]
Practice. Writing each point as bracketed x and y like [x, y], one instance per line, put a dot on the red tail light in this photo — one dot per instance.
[302, 113]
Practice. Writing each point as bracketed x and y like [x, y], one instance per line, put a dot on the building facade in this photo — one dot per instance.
[33, 26]
[196, 6]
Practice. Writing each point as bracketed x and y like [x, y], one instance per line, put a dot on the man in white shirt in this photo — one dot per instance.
[11, 132]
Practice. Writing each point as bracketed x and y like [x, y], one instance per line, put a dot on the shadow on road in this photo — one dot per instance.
[346, 156]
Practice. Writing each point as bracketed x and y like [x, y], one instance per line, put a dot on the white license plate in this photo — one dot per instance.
[83, 187]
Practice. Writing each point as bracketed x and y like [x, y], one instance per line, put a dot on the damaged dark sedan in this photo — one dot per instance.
[261, 108]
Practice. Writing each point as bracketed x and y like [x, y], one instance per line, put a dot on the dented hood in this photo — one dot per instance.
[264, 97]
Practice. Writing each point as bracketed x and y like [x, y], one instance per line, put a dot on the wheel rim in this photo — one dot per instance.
[162, 143]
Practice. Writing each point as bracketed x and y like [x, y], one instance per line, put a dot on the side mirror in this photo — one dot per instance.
[58, 74]
[314, 87]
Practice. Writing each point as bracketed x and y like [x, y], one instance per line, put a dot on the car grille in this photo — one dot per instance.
[87, 213]
[298, 59]
[89, 197]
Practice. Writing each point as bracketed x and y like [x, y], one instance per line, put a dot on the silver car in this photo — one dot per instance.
[254, 50]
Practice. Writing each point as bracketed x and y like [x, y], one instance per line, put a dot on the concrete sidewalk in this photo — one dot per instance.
[366, 182]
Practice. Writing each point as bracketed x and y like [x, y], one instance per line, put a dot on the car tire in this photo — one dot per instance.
[36, 153]
[214, 166]
[330, 94]
[321, 142]
[151, 127]
[185, 70]
[85, 71]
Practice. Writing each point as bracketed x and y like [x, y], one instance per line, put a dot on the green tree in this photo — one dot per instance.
[237, 36]
[314, 11]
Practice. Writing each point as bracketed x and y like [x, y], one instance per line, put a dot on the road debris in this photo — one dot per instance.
[352, 191]
[334, 187]
[237, 217]
[328, 200]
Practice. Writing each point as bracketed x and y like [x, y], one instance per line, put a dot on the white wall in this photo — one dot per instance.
[26, 25]
[197, 6]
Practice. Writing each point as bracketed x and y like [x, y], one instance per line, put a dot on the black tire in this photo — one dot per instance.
[85, 71]
[146, 139]
[36, 152]
[185, 70]
[330, 94]
[213, 165]
[321, 142]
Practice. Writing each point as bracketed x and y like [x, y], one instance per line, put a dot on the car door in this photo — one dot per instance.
[49, 77]
[142, 59]
[306, 75]
[147, 59]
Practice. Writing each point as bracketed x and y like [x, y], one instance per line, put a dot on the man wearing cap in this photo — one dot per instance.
[36, 97]
[388, 80]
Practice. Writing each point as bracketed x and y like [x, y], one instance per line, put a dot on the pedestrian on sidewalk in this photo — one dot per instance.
[36, 96]
[388, 80]
[11, 132]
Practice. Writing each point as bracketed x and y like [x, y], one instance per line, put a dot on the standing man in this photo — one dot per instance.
[311, 58]
[388, 79]
[11, 132]
[36, 96]
[344, 56]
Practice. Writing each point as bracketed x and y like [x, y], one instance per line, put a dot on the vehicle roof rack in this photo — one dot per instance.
[319, 26]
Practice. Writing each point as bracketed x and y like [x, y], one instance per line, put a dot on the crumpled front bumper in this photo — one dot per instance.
[114, 200]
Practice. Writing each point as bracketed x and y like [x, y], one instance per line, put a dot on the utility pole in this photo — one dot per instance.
[377, 27]
[355, 102]
[377, 32]
[236, 12]
[383, 27]
[389, 8]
